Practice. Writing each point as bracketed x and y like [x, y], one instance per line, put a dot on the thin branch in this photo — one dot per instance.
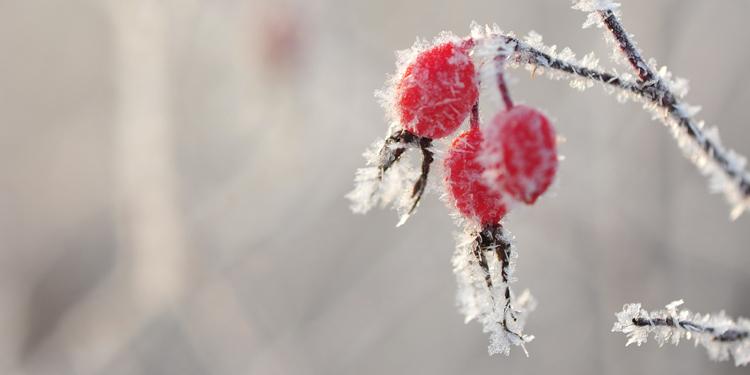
[474, 119]
[670, 102]
[524, 53]
[501, 85]
[728, 335]
[722, 336]
[654, 90]
[627, 46]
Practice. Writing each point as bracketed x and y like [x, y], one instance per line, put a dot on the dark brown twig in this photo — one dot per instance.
[725, 336]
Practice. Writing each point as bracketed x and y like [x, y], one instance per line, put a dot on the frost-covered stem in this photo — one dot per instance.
[474, 119]
[502, 86]
[653, 90]
[627, 47]
[723, 336]
[669, 101]
[525, 53]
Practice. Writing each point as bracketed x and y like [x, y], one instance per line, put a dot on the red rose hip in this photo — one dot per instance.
[463, 175]
[520, 143]
[437, 90]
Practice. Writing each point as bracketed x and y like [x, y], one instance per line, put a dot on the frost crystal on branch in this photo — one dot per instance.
[720, 335]
[484, 262]
[383, 181]
[655, 88]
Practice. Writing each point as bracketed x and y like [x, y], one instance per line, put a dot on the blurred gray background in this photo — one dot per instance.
[172, 177]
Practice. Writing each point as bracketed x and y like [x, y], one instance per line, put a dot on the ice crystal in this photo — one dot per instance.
[487, 305]
[566, 56]
[372, 187]
[694, 149]
[592, 7]
[720, 335]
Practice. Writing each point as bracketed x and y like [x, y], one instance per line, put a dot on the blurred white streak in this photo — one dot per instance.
[149, 274]
[147, 201]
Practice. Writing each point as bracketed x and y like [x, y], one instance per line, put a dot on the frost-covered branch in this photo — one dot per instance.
[627, 47]
[703, 147]
[719, 334]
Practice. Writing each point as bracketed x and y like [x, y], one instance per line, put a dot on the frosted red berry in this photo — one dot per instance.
[463, 175]
[522, 141]
[437, 90]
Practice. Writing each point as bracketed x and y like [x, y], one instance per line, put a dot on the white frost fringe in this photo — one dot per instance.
[393, 190]
[477, 302]
[672, 324]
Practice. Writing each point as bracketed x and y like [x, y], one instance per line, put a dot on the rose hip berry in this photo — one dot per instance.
[437, 90]
[463, 175]
[522, 141]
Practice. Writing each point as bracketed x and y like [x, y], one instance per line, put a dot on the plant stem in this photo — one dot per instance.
[726, 336]
[501, 85]
[627, 47]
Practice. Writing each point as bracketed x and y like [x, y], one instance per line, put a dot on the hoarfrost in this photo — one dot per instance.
[722, 337]
[481, 293]
[724, 179]
[595, 5]
[592, 7]
[724, 167]
[392, 188]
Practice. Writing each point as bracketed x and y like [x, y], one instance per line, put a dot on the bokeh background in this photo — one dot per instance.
[172, 180]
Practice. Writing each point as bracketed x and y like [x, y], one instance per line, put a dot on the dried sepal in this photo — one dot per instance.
[484, 262]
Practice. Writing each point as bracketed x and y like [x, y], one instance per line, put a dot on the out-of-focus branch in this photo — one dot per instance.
[150, 271]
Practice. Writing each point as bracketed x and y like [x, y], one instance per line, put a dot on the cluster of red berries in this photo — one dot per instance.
[513, 158]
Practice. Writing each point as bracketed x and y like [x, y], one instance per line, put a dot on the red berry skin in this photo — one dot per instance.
[437, 90]
[525, 141]
[463, 175]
